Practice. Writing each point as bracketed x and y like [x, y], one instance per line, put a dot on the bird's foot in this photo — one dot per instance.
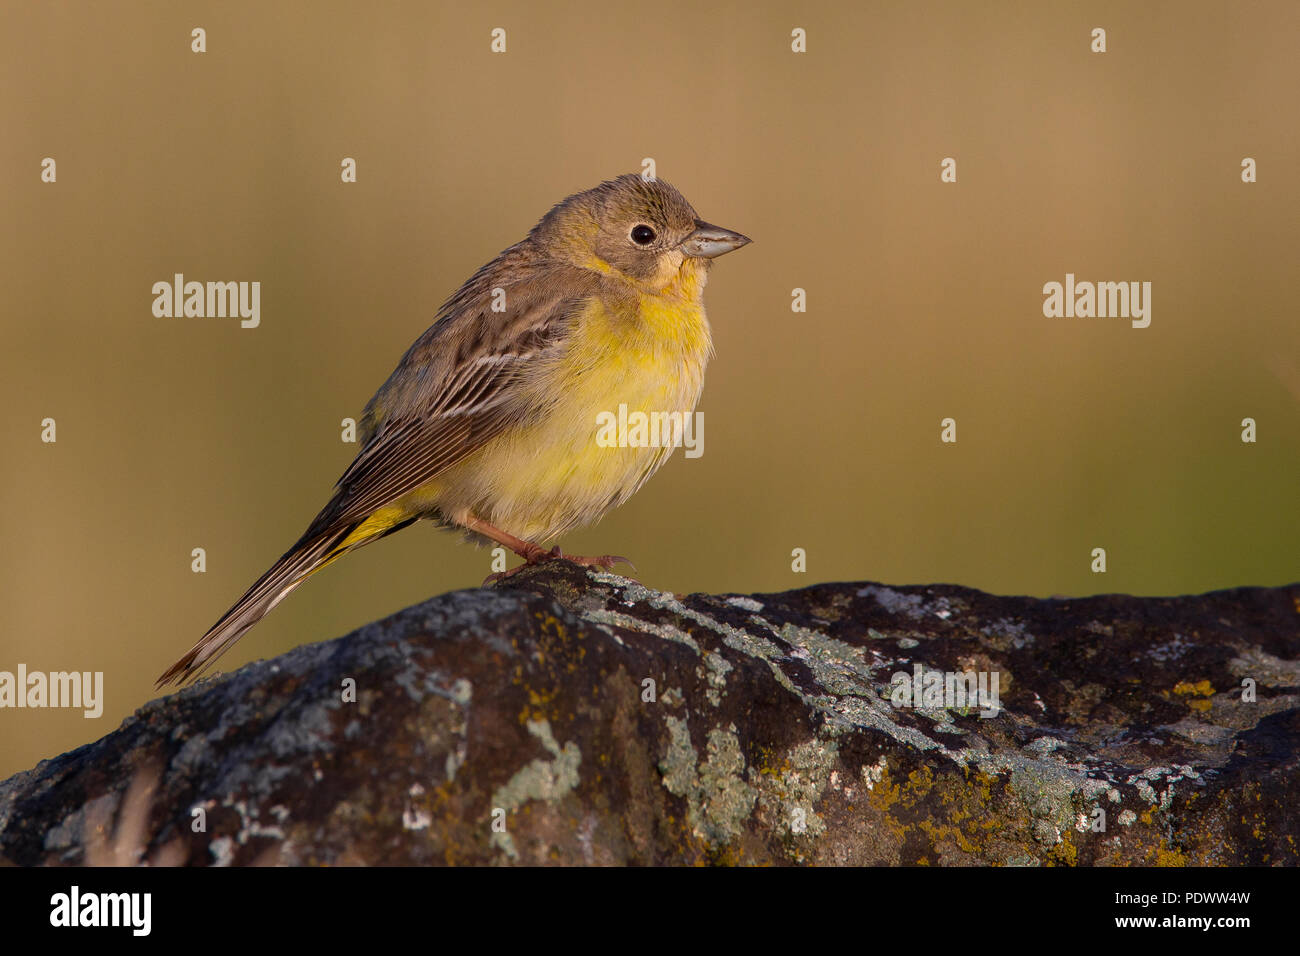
[605, 562]
[536, 555]
[531, 554]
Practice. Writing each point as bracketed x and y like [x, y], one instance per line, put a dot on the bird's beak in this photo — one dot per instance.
[709, 241]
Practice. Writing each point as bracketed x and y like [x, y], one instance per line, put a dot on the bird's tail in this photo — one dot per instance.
[312, 552]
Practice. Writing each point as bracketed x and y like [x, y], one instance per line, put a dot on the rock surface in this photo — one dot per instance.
[576, 717]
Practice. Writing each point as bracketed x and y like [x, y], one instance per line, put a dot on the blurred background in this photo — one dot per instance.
[924, 299]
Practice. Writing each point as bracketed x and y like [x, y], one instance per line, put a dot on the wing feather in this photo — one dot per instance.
[459, 385]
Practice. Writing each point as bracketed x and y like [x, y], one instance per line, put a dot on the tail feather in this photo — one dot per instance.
[292, 569]
[312, 552]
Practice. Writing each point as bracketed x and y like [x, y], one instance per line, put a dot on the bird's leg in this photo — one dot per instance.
[533, 553]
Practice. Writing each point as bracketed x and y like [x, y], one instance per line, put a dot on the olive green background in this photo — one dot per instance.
[821, 429]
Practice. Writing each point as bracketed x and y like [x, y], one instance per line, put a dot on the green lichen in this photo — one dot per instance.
[716, 676]
[790, 790]
[547, 780]
[719, 799]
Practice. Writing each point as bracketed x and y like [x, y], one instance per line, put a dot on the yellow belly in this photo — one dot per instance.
[556, 475]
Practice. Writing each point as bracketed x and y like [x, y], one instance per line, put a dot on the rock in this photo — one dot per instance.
[576, 717]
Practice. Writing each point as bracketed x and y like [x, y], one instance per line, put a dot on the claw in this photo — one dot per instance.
[605, 562]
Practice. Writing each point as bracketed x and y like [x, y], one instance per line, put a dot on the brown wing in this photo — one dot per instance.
[455, 389]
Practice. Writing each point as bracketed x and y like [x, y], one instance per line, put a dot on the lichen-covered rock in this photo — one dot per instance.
[568, 716]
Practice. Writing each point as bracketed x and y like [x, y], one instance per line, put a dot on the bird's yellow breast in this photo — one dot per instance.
[642, 353]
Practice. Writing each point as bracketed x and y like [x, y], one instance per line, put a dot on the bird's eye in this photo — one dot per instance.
[643, 235]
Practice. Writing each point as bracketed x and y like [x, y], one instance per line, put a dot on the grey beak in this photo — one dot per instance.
[709, 241]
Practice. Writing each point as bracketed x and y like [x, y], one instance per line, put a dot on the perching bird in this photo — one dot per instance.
[489, 422]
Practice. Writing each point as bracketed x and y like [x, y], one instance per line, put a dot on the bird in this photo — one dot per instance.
[488, 424]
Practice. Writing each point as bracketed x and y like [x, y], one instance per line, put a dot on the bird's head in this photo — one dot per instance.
[643, 231]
